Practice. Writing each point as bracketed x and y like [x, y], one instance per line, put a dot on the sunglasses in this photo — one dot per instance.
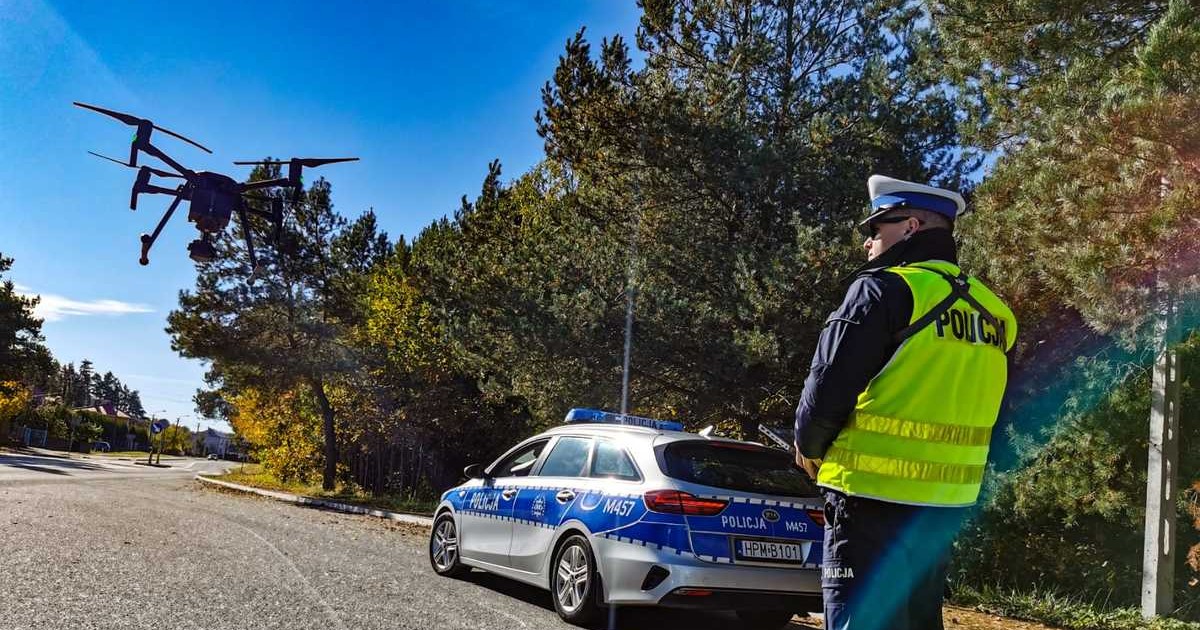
[871, 228]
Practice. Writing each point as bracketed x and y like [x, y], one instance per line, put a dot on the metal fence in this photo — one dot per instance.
[29, 437]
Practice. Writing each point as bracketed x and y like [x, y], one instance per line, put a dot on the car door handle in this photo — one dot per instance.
[509, 493]
[564, 495]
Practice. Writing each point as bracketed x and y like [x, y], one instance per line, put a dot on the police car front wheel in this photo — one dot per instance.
[574, 582]
[443, 548]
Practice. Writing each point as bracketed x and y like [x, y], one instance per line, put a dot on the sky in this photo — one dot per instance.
[426, 94]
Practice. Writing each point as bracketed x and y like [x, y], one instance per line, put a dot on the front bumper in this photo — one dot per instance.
[626, 565]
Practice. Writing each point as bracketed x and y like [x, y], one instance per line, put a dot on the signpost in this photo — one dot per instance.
[156, 428]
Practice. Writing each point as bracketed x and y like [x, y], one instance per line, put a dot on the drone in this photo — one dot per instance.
[213, 198]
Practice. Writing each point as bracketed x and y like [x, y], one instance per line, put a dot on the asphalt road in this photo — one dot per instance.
[85, 546]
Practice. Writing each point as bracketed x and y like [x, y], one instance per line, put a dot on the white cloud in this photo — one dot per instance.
[53, 308]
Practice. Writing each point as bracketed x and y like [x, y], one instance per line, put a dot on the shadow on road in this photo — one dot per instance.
[52, 471]
[626, 618]
[43, 464]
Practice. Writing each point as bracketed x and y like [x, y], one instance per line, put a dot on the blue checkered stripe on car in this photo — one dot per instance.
[623, 518]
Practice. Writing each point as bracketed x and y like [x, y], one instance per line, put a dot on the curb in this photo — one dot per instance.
[414, 519]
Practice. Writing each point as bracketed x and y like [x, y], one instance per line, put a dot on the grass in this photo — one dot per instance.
[1056, 609]
[133, 454]
[254, 475]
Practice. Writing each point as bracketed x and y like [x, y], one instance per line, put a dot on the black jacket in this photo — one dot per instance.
[857, 340]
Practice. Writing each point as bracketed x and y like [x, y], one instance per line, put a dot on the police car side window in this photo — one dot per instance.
[567, 459]
[519, 464]
[612, 462]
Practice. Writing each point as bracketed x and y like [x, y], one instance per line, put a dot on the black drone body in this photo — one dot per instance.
[212, 198]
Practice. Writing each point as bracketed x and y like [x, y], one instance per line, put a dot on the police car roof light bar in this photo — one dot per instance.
[607, 417]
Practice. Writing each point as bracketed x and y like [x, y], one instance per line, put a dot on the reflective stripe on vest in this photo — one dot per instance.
[920, 431]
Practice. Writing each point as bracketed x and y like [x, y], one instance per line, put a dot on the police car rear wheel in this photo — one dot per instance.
[764, 619]
[443, 548]
[574, 582]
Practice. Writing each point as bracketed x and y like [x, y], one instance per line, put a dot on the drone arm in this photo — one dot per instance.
[148, 239]
[140, 188]
[159, 190]
[156, 152]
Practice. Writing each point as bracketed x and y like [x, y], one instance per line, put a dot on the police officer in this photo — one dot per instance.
[897, 411]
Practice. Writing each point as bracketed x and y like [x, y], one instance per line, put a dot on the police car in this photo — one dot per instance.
[612, 509]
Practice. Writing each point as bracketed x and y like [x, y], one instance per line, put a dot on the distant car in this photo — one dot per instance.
[213, 456]
[103, 447]
[621, 510]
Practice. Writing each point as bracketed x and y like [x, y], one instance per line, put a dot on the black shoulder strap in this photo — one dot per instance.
[960, 288]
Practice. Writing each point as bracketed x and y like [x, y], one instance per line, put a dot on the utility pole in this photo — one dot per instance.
[631, 279]
[1158, 551]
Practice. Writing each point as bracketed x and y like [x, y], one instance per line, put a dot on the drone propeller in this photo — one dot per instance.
[295, 166]
[309, 162]
[139, 123]
[156, 171]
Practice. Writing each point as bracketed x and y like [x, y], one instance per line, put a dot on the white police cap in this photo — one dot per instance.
[888, 193]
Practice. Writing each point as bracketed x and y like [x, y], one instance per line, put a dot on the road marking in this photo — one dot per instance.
[316, 595]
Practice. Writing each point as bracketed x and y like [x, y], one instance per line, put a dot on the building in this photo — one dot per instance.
[118, 441]
[213, 441]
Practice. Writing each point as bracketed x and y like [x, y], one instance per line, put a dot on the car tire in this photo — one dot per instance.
[444, 549]
[764, 619]
[575, 583]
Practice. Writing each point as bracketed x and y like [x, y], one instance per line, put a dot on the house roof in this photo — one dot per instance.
[107, 409]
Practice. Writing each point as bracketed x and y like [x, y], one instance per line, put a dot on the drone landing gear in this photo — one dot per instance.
[148, 239]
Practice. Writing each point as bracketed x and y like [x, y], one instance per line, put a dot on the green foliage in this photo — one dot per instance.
[1063, 611]
[23, 357]
[720, 180]
[88, 432]
[1094, 103]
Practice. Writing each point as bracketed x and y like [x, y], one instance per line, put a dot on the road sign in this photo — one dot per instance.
[158, 426]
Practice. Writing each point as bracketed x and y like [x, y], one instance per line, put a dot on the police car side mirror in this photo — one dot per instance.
[474, 471]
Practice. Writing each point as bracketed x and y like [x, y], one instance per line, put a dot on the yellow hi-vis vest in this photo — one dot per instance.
[920, 431]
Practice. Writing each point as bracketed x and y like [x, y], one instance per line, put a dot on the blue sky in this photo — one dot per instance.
[425, 93]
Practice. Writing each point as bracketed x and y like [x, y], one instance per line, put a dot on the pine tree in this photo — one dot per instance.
[736, 162]
[23, 357]
[285, 330]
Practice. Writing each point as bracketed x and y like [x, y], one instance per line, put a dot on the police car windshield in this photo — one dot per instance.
[729, 466]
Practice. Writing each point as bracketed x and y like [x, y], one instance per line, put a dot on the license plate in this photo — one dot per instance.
[756, 550]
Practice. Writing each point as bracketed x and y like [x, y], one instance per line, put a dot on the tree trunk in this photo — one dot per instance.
[328, 478]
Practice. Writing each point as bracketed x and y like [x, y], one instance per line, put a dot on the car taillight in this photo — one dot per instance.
[677, 502]
[818, 517]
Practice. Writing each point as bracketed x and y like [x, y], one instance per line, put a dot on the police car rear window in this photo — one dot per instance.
[739, 467]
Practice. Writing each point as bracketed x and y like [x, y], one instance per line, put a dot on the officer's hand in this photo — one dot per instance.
[810, 466]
